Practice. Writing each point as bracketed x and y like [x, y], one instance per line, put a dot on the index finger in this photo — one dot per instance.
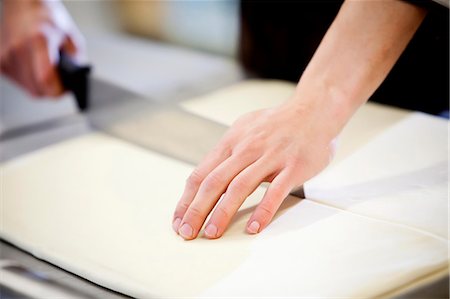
[44, 50]
[219, 154]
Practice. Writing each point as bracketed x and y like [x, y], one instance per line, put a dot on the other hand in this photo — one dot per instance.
[33, 32]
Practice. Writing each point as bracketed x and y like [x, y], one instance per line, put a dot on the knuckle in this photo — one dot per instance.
[297, 174]
[295, 160]
[181, 208]
[45, 77]
[213, 182]
[265, 212]
[255, 143]
[277, 192]
[222, 212]
[12, 48]
[253, 147]
[225, 143]
[195, 179]
[238, 186]
[194, 213]
[36, 36]
[247, 149]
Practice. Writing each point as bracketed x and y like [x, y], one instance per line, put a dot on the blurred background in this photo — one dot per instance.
[162, 50]
[169, 51]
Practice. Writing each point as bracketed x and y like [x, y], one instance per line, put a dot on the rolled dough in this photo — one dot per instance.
[401, 176]
[101, 208]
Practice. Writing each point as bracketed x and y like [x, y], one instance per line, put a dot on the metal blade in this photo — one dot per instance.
[160, 127]
[163, 128]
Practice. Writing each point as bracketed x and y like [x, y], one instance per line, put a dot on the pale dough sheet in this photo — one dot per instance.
[401, 176]
[227, 104]
[102, 208]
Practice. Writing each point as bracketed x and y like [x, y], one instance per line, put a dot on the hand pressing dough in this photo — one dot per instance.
[102, 208]
[400, 176]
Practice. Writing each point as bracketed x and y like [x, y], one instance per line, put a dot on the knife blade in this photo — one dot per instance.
[164, 128]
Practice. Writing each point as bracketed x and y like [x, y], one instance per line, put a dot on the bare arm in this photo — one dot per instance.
[288, 145]
[356, 54]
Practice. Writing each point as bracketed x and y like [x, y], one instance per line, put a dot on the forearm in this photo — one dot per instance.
[356, 54]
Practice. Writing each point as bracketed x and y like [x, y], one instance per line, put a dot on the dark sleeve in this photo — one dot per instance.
[279, 37]
[430, 4]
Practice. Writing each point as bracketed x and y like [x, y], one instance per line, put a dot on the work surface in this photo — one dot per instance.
[373, 224]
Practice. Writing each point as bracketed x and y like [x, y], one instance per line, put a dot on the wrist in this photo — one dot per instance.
[326, 103]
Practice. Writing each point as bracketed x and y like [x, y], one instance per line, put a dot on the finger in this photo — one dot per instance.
[220, 153]
[44, 65]
[20, 70]
[5, 60]
[244, 184]
[75, 45]
[211, 189]
[69, 46]
[274, 196]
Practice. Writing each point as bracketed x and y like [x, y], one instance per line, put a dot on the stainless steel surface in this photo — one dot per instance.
[55, 278]
[40, 126]
[23, 280]
[436, 290]
[21, 145]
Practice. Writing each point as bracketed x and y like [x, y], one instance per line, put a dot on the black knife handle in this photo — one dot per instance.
[75, 78]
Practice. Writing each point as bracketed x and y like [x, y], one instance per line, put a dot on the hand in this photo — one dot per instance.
[284, 146]
[288, 145]
[33, 33]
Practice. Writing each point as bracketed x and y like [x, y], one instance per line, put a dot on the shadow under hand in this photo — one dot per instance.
[236, 229]
[304, 213]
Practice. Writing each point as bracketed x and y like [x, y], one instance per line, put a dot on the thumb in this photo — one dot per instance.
[69, 47]
[74, 47]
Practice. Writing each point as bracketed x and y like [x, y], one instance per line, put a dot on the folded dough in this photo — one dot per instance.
[102, 208]
[400, 176]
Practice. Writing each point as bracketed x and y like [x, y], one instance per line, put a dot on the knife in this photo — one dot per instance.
[161, 127]
[75, 78]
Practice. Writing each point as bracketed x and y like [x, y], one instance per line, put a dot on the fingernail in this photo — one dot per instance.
[211, 231]
[186, 231]
[176, 224]
[253, 227]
